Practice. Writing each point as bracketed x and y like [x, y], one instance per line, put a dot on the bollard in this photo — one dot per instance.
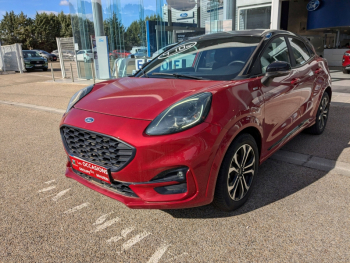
[53, 76]
[71, 70]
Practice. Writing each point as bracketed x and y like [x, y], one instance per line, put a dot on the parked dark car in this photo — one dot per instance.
[47, 55]
[33, 60]
[193, 126]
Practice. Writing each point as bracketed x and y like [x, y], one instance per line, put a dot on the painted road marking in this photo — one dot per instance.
[31, 106]
[60, 194]
[50, 182]
[101, 219]
[123, 233]
[47, 189]
[106, 224]
[158, 254]
[134, 240]
[312, 162]
[74, 209]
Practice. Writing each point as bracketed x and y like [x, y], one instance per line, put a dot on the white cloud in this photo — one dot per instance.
[48, 12]
[64, 2]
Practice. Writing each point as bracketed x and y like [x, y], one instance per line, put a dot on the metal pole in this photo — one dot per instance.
[71, 71]
[93, 70]
[53, 76]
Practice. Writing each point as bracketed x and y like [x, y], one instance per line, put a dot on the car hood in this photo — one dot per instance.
[141, 98]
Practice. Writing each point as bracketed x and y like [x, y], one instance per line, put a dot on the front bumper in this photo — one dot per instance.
[194, 148]
[33, 66]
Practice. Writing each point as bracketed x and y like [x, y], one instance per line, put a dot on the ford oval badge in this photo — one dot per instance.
[313, 5]
[184, 15]
[89, 120]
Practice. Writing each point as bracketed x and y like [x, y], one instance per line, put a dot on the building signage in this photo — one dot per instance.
[313, 5]
[187, 15]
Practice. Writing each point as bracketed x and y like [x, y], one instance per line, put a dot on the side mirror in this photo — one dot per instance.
[276, 69]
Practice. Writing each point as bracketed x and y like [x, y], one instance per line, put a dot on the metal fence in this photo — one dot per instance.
[67, 56]
[11, 58]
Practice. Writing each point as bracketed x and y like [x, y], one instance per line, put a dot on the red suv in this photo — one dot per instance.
[119, 54]
[346, 62]
[193, 125]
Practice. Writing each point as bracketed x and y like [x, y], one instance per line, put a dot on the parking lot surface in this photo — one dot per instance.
[296, 213]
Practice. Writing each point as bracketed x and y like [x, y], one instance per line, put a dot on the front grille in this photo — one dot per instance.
[119, 187]
[97, 148]
[37, 62]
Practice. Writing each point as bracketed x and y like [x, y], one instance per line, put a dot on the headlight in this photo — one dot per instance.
[182, 115]
[347, 54]
[78, 96]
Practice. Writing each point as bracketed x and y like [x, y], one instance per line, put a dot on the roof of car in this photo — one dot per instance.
[252, 33]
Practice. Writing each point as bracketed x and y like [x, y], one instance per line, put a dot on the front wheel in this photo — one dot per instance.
[345, 71]
[237, 173]
[321, 117]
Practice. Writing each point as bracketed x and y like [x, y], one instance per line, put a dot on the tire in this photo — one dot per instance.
[44, 69]
[321, 117]
[234, 188]
[345, 71]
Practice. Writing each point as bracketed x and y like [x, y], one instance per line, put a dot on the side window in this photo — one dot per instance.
[277, 50]
[300, 51]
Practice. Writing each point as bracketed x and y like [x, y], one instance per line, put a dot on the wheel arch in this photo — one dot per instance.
[240, 127]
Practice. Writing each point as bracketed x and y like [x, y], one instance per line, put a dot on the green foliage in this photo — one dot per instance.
[42, 31]
[37, 33]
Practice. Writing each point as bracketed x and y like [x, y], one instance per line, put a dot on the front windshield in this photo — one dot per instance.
[31, 54]
[208, 58]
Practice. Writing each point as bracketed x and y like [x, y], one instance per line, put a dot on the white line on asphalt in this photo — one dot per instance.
[74, 209]
[134, 240]
[158, 254]
[32, 106]
[106, 224]
[49, 182]
[60, 194]
[101, 219]
[312, 162]
[124, 233]
[47, 189]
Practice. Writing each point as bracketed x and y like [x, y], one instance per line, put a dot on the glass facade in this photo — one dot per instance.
[113, 38]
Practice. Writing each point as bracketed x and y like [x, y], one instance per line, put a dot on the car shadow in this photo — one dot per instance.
[276, 179]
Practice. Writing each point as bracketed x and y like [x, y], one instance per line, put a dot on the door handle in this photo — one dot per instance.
[318, 71]
[295, 81]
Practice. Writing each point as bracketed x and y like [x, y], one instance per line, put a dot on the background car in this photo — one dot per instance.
[119, 54]
[136, 49]
[193, 126]
[85, 55]
[55, 52]
[142, 53]
[47, 55]
[33, 60]
[346, 62]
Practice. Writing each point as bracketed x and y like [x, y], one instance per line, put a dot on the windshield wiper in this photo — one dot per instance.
[177, 75]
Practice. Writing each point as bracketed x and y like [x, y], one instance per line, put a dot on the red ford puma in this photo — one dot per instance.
[193, 125]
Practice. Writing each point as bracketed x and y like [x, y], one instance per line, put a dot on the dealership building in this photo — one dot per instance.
[97, 27]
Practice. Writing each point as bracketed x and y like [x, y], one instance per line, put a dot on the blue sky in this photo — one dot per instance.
[30, 7]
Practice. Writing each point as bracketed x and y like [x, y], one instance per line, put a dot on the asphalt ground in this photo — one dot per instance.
[295, 213]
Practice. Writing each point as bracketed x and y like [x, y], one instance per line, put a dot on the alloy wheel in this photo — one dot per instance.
[241, 172]
[323, 113]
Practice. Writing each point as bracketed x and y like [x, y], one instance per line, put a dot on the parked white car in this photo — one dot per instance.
[137, 49]
[85, 55]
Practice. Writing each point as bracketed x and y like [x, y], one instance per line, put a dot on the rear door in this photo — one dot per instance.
[306, 69]
[282, 96]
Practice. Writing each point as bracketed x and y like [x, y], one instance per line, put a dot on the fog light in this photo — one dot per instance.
[177, 174]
